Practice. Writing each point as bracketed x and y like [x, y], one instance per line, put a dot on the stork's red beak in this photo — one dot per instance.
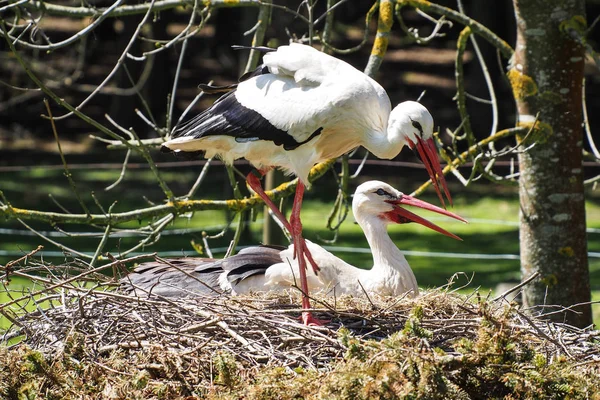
[401, 216]
[429, 157]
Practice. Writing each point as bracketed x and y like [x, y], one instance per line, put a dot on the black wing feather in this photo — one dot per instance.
[262, 49]
[181, 277]
[184, 277]
[251, 261]
[229, 117]
[213, 89]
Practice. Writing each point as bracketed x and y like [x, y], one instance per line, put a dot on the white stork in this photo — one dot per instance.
[302, 107]
[263, 268]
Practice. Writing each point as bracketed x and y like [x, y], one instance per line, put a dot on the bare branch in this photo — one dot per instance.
[119, 63]
[488, 80]
[474, 149]
[177, 207]
[81, 12]
[64, 161]
[72, 39]
[462, 19]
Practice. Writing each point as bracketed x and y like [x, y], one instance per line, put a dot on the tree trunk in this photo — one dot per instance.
[546, 77]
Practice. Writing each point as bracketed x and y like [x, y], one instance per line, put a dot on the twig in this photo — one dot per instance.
[54, 46]
[462, 157]
[122, 174]
[413, 33]
[586, 122]
[81, 12]
[178, 70]
[366, 294]
[462, 19]
[517, 287]
[461, 44]
[199, 180]
[96, 256]
[75, 278]
[365, 38]
[10, 264]
[119, 63]
[262, 23]
[152, 236]
[64, 161]
[488, 80]
[55, 243]
[143, 150]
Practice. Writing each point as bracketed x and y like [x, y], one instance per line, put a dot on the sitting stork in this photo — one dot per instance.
[302, 107]
[264, 268]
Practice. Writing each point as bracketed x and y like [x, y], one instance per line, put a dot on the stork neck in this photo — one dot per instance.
[385, 253]
[388, 261]
[385, 144]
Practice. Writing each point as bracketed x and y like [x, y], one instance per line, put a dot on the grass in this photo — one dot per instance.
[492, 210]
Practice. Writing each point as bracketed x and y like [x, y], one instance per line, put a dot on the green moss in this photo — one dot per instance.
[75, 345]
[413, 324]
[551, 97]
[540, 361]
[523, 86]
[550, 280]
[566, 251]
[353, 347]
[226, 369]
[538, 133]
[577, 24]
[35, 362]
[29, 391]
[140, 381]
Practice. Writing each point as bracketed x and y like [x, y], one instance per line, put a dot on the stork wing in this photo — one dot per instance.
[179, 278]
[288, 106]
[212, 89]
[251, 261]
[305, 64]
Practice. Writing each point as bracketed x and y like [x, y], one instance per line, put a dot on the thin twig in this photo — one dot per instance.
[517, 287]
[72, 39]
[64, 161]
[119, 63]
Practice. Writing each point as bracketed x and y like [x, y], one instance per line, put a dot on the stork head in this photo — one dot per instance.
[413, 122]
[376, 198]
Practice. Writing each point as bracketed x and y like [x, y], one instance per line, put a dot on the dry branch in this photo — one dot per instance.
[462, 19]
[82, 12]
[176, 207]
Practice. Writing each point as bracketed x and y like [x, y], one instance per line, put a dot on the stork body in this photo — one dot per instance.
[300, 108]
[264, 268]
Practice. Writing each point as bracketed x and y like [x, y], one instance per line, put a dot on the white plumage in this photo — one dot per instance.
[375, 205]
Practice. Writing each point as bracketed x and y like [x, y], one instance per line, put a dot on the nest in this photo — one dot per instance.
[88, 318]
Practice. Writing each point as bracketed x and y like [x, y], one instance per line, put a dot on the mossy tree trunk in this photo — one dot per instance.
[546, 76]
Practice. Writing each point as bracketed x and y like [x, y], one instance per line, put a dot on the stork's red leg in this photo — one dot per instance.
[295, 228]
[301, 251]
[255, 184]
[296, 225]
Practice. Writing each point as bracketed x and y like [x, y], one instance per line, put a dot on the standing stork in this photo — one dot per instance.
[302, 107]
[263, 268]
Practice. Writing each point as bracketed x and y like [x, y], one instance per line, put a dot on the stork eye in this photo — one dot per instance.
[382, 192]
[417, 125]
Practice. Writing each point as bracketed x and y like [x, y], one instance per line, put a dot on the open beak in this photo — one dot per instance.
[401, 216]
[428, 154]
